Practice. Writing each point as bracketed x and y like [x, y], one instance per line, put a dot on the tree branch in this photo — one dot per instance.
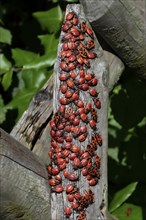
[121, 24]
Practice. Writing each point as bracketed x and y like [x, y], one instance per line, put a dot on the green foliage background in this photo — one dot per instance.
[29, 33]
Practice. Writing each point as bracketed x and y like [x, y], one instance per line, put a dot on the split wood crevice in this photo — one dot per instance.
[24, 177]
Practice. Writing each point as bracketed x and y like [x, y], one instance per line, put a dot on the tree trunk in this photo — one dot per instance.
[121, 24]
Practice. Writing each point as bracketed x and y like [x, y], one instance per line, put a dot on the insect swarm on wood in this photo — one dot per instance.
[76, 118]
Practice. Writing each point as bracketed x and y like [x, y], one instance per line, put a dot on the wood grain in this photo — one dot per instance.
[121, 24]
[116, 68]
[24, 182]
[100, 69]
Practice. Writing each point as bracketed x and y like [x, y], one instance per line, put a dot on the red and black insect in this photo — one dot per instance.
[75, 32]
[98, 139]
[82, 50]
[83, 202]
[70, 15]
[94, 114]
[89, 32]
[67, 211]
[93, 181]
[73, 177]
[71, 189]
[70, 197]
[93, 82]
[97, 103]
[66, 26]
[90, 44]
[90, 196]
[91, 55]
[75, 205]
[92, 147]
[94, 171]
[83, 27]
[92, 124]
[97, 160]
[76, 163]
[93, 92]
[58, 189]
[82, 215]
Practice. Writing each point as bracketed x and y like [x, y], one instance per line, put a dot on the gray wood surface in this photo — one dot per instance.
[122, 25]
[100, 69]
[24, 185]
[116, 68]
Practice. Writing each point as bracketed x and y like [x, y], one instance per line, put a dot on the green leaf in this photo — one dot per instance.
[50, 43]
[128, 212]
[121, 196]
[5, 65]
[21, 100]
[30, 60]
[23, 57]
[113, 153]
[49, 20]
[33, 78]
[7, 79]
[5, 36]
[30, 81]
[2, 110]
[44, 61]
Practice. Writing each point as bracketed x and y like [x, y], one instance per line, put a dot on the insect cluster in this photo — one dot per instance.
[70, 157]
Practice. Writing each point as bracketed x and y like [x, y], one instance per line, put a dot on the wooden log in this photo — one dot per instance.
[121, 24]
[25, 193]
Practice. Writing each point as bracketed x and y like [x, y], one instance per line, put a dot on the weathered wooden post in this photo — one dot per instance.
[72, 77]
